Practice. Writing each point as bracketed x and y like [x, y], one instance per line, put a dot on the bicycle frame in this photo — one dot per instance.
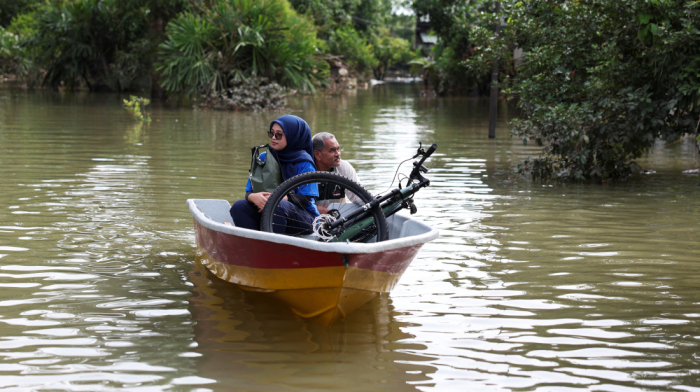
[390, 203]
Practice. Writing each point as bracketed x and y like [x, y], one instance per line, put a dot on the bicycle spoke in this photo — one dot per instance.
[279, 212]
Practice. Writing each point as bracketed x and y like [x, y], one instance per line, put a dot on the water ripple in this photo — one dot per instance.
[531, 286]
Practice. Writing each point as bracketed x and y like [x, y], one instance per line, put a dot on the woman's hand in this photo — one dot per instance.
[259, 199]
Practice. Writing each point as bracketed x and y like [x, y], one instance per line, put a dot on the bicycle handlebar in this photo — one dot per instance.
[430, 151]
[415, 175]
[418, 165]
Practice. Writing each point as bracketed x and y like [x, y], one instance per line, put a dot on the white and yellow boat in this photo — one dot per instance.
[319, 281]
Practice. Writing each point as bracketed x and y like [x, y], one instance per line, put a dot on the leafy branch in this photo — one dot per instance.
[136, 106]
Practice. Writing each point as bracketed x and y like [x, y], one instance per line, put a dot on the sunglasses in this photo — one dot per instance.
[277, 135]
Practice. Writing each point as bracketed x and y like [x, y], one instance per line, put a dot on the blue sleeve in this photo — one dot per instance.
[248, 185]
[308, 189]
[305, 167]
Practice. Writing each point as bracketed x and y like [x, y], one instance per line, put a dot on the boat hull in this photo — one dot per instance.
[318, 281]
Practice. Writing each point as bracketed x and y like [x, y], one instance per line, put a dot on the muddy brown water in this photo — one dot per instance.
[546, 287]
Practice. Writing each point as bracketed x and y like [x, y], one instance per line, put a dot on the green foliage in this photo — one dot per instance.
[23, 25]
[402, 25]
[450, 19]
[67, 42]
[186, 64]
[370, 14]
[16, 58]
[12, 58]
[211, 48]
[425, 67]
[452, 22]
[136, 106]
[601, 80]
[364, 33]
[9, 9]
[356, 51]
[207, 47]
[388, 51]
[101, 44]
[327, 15]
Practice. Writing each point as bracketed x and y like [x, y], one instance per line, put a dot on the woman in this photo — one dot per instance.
[290, 141]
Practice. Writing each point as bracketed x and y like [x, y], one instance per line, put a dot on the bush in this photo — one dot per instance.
[100, 44]
[235, 40]
[12, 58]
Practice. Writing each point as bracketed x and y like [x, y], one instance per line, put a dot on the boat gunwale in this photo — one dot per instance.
[345, 248]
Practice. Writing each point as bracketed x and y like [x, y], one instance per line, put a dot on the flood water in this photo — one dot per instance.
[530, 286]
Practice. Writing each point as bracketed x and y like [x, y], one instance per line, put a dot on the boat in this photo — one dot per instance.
[320, 281]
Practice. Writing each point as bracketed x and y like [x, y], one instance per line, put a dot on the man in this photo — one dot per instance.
[327, 158]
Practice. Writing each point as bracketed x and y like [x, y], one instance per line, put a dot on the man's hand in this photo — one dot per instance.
[322, 209]
[259, 199]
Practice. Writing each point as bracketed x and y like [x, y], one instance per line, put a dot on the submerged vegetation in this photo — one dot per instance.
[600, 82]
[137, 107]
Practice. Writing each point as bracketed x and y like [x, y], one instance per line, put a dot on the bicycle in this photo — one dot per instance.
[348, 222]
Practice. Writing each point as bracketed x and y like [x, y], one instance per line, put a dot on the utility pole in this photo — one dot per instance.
[494, 82]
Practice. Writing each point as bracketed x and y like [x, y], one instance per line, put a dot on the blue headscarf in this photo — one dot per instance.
[299, 147]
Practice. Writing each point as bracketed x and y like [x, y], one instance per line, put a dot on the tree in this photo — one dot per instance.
[600, 81]
[103, 44]
[327, 15]
[366, 33]
[452, 21]
[388, 51]
[356, 51]
[370, 14]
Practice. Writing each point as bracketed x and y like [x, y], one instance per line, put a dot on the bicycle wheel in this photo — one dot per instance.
[284, 212]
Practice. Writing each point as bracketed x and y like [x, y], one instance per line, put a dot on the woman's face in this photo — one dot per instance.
[278, 145]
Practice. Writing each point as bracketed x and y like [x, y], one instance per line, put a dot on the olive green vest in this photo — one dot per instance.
[266, 175]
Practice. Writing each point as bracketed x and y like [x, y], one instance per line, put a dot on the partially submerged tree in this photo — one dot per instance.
[600, 80]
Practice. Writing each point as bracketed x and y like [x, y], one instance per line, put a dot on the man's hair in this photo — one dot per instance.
[319, 140]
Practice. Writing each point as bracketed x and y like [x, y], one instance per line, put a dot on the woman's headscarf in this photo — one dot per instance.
[299, 147]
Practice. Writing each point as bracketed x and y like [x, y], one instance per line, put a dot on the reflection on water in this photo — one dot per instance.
[264, 346]
[530, 287]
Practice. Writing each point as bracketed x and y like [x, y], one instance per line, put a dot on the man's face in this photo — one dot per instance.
[329, 157]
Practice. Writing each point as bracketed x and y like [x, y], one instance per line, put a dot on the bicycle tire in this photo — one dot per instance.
[377, 227]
